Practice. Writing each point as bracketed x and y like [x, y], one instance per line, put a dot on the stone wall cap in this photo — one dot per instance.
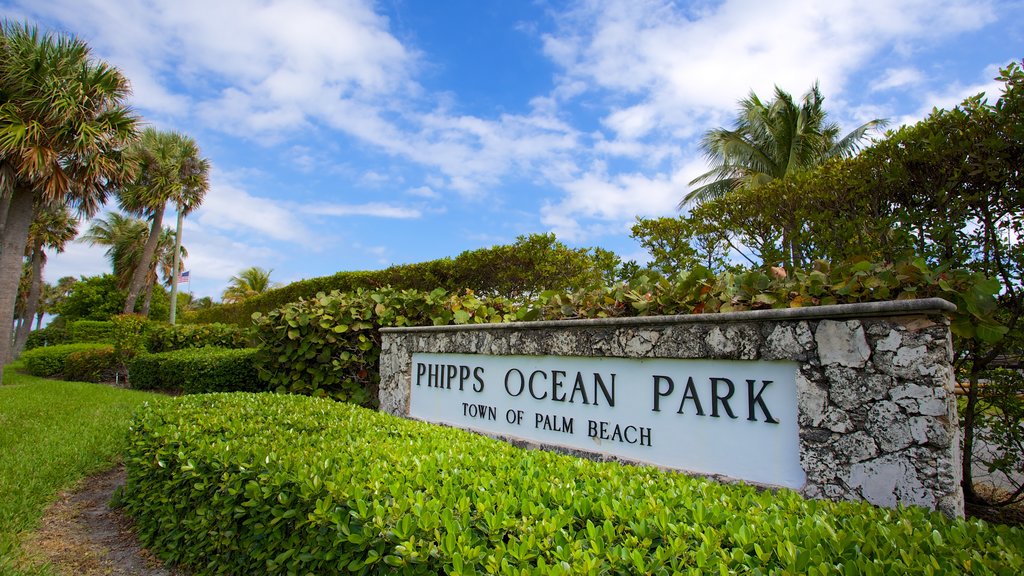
[858, 310]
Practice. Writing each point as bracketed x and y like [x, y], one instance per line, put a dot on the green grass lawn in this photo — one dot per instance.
[53, 434]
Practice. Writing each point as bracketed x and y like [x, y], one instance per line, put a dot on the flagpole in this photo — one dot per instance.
[177, 265]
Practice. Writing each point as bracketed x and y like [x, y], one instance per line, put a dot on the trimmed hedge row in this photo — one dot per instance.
[167, 337]
[533, 263]
[272, 484]
[73, 333]
[51, 360]
[196, 371]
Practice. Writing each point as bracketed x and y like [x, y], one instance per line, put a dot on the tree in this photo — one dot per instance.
[92, 298]
[53, 227]
[124, 237]
[170, 169]
[948, 190]
[772, 141]
[248, 283]
[680, 244]
[63, 127]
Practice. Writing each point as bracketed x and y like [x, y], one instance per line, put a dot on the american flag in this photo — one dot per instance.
[183, 277]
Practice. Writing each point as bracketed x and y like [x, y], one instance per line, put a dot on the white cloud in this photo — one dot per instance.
[611, 201]
[954, 94]
[78, 259]
[229, 207]
[374, 209]
[423, 192]
[898, 78]
[681, 69]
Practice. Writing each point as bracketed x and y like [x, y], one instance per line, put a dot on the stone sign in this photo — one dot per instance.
[851, 402]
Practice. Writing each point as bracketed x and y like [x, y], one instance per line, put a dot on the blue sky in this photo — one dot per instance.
[351, 135]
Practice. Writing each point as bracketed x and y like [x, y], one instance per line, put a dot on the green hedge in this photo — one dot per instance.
[71, 333]
[272, 484]
[90, 331]
[196, 371]
[50, 360]
[533, 263]
[167, 337]
[49, 336]
[97, 365]
[330, 345]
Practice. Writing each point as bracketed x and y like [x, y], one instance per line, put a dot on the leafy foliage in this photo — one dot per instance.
[166, 337]
[254, 484]
[129, 336]
[250, 282]
[96, 365]
[48, 336]
[50, 361]
[196, 371]
[330, 345]
[90, 331]
[99, 298]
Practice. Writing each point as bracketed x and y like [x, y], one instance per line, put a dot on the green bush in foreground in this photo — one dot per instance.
[268, 484]
[50, 360]
[196, 371]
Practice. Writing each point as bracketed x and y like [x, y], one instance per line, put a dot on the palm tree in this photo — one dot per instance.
[170, 169]
[248, 283]
[53, 227]
[124, 237]
[772, 141]
[63, 127]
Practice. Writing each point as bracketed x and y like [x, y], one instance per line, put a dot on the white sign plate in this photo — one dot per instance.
[728, 417]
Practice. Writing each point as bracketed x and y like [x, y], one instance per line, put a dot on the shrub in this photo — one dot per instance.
[129, 332]
[90, 331]
[49, 336]
[96, 365]
[330, 345]
[271, 484]
[50, 360]
[196, 370]
[166, 337]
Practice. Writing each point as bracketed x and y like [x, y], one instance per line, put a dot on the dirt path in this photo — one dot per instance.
[81, 535]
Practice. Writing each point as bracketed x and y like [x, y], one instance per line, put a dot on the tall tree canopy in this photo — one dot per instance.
[170, 170]
[63, 128]
[771, 141]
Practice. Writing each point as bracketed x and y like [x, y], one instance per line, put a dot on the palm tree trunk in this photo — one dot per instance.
[148, 299]
[39, 319]
[142, 268]
[32, 302]
[12, 251]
